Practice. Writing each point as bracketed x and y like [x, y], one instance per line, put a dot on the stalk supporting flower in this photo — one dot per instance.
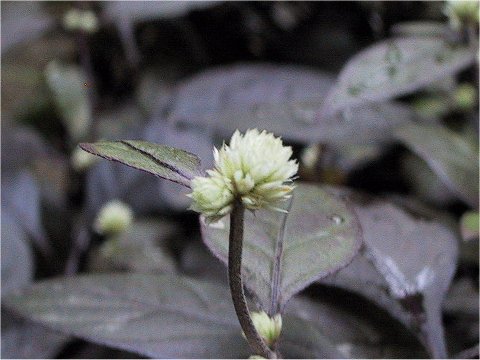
[257, 344]
[254, 171]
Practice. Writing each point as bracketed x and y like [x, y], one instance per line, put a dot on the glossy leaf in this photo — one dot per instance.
[394, 68]
[450, 156]
[163, 161]
[285, 253]
[406, 267]
[280, 99]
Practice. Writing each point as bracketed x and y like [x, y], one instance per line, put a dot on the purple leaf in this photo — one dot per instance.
[451, 157]
[281, 99]
[406, 266]
[285, 253]
[393, 68]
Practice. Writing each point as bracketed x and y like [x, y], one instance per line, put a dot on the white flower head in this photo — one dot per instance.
[255, 168]
[113, 218]
[269, 328]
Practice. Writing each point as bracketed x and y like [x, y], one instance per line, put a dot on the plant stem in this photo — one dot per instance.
[236, 285]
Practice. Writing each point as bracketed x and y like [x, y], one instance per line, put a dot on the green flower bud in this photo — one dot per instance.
[469, 225]
[268, 328]
[114, 217]
[465, 97]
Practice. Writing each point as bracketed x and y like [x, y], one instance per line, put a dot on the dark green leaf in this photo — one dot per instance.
[393, 68]
[163, 161]
[450, 156]
[285, 253]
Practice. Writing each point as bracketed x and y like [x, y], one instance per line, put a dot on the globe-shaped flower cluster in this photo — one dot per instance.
[254, 168]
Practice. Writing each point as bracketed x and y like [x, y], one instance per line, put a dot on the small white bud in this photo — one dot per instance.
[89, 22]
[268, 328]
[75, 20]
[310, 156]
[465, 97]
[82, 160]
[114, 217]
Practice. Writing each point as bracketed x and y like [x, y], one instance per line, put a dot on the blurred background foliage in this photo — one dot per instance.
[187, 74]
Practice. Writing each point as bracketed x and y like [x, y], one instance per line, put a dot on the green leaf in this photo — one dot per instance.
[450, 156]
[393, 68]
[163, 161]
[285, 253]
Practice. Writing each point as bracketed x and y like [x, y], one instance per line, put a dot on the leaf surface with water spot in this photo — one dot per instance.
[285, 253]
